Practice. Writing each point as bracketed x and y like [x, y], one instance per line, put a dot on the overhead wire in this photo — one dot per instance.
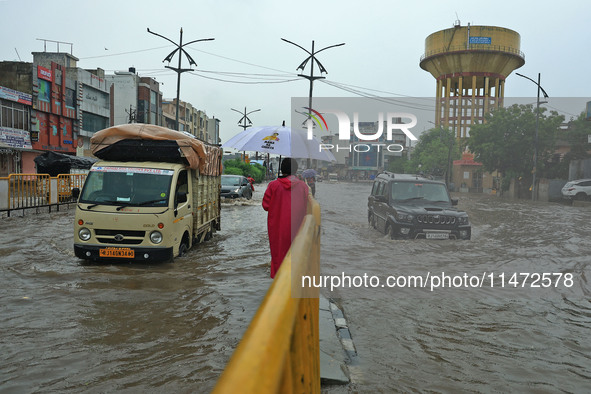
[124, 53]
[258, 78]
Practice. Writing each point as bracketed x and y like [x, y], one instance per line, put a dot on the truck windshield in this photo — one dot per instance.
[124, 186]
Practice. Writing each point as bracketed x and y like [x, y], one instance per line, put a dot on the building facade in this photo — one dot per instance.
[191, 120]
[53, 105]
[15, 139]
[93, 106]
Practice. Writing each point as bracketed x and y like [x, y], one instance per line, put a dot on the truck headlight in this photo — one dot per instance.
[84, 234]
[156, 237]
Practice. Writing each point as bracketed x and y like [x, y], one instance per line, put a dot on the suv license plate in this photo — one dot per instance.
[126, 253]
[437, 236]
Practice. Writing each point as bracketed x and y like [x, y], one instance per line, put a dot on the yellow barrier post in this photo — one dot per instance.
[280, 353]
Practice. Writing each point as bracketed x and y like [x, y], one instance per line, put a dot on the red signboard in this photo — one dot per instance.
[44, 73]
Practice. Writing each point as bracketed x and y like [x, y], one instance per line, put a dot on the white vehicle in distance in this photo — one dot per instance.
[577, 190]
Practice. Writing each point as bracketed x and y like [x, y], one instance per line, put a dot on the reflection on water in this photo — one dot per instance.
[68, 326]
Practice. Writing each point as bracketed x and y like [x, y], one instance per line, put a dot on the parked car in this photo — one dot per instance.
[577, 190]
[236, 186]
[409, 207]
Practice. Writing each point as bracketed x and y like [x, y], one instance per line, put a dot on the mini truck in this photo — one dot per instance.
[147, 210]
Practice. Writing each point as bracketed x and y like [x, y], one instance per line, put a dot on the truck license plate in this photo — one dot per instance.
[125, 253]
[437, 236]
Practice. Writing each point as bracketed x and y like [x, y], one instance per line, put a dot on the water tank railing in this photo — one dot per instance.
[475, 47]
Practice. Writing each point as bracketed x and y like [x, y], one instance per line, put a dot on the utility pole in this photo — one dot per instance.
[312, 58]
[179, 70]
[246, 123]
[132, 114]
[533, 185]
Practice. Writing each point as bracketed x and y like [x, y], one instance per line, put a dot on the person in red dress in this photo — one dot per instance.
[285, 200]
[251, 181]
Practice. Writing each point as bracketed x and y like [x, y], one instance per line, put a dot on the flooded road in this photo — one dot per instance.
[70, 326]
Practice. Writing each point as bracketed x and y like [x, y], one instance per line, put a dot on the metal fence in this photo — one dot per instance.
[26, 191]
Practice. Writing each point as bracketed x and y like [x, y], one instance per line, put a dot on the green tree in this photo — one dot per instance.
[238, 167]
[397, 164]
[435, 149]
[505, 141]
[577, 137]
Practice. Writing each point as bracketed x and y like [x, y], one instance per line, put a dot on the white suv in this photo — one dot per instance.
[577, 190]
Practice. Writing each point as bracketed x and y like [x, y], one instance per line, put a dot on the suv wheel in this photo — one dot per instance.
[581, 197]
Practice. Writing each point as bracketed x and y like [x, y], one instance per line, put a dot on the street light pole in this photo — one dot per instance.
[311, 77]
[246, 123]
[312, 58]
[179, 70]
[533, 187]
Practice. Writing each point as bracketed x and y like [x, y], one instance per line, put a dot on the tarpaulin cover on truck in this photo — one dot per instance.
[146, 142]
[54, 163]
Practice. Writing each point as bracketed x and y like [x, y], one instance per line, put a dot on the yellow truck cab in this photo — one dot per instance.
[145, 210]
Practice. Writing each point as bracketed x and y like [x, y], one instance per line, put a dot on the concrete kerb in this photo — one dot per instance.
[337, 350]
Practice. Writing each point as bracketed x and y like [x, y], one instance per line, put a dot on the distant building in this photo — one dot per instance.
[213, 131]
[369, 157]
[134, 99]
[191, 120]
[169, 114]
[15, 123]
[55, 93]
[93, 106]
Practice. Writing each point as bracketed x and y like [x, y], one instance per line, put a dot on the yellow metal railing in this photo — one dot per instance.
[28, 190]
[19, 191]
[474, 47]
[279, 353]
[65, 184]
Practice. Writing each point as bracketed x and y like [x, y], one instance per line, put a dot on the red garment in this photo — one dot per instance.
[251, 181]
[286, 201]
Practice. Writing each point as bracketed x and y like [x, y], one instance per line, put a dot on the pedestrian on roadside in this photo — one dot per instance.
[286, 201]
[311, 182]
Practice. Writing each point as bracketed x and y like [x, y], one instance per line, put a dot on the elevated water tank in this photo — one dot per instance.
[470, 65]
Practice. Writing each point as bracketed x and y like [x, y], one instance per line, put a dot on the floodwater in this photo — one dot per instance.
[70, 326]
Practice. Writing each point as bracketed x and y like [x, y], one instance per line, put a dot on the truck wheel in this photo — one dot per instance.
[184, 246]
[209, 233]
[182, 249]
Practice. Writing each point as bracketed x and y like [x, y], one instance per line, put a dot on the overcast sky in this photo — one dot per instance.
[247, 65]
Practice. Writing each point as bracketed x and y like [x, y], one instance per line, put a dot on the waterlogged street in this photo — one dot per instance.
[70, 326]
